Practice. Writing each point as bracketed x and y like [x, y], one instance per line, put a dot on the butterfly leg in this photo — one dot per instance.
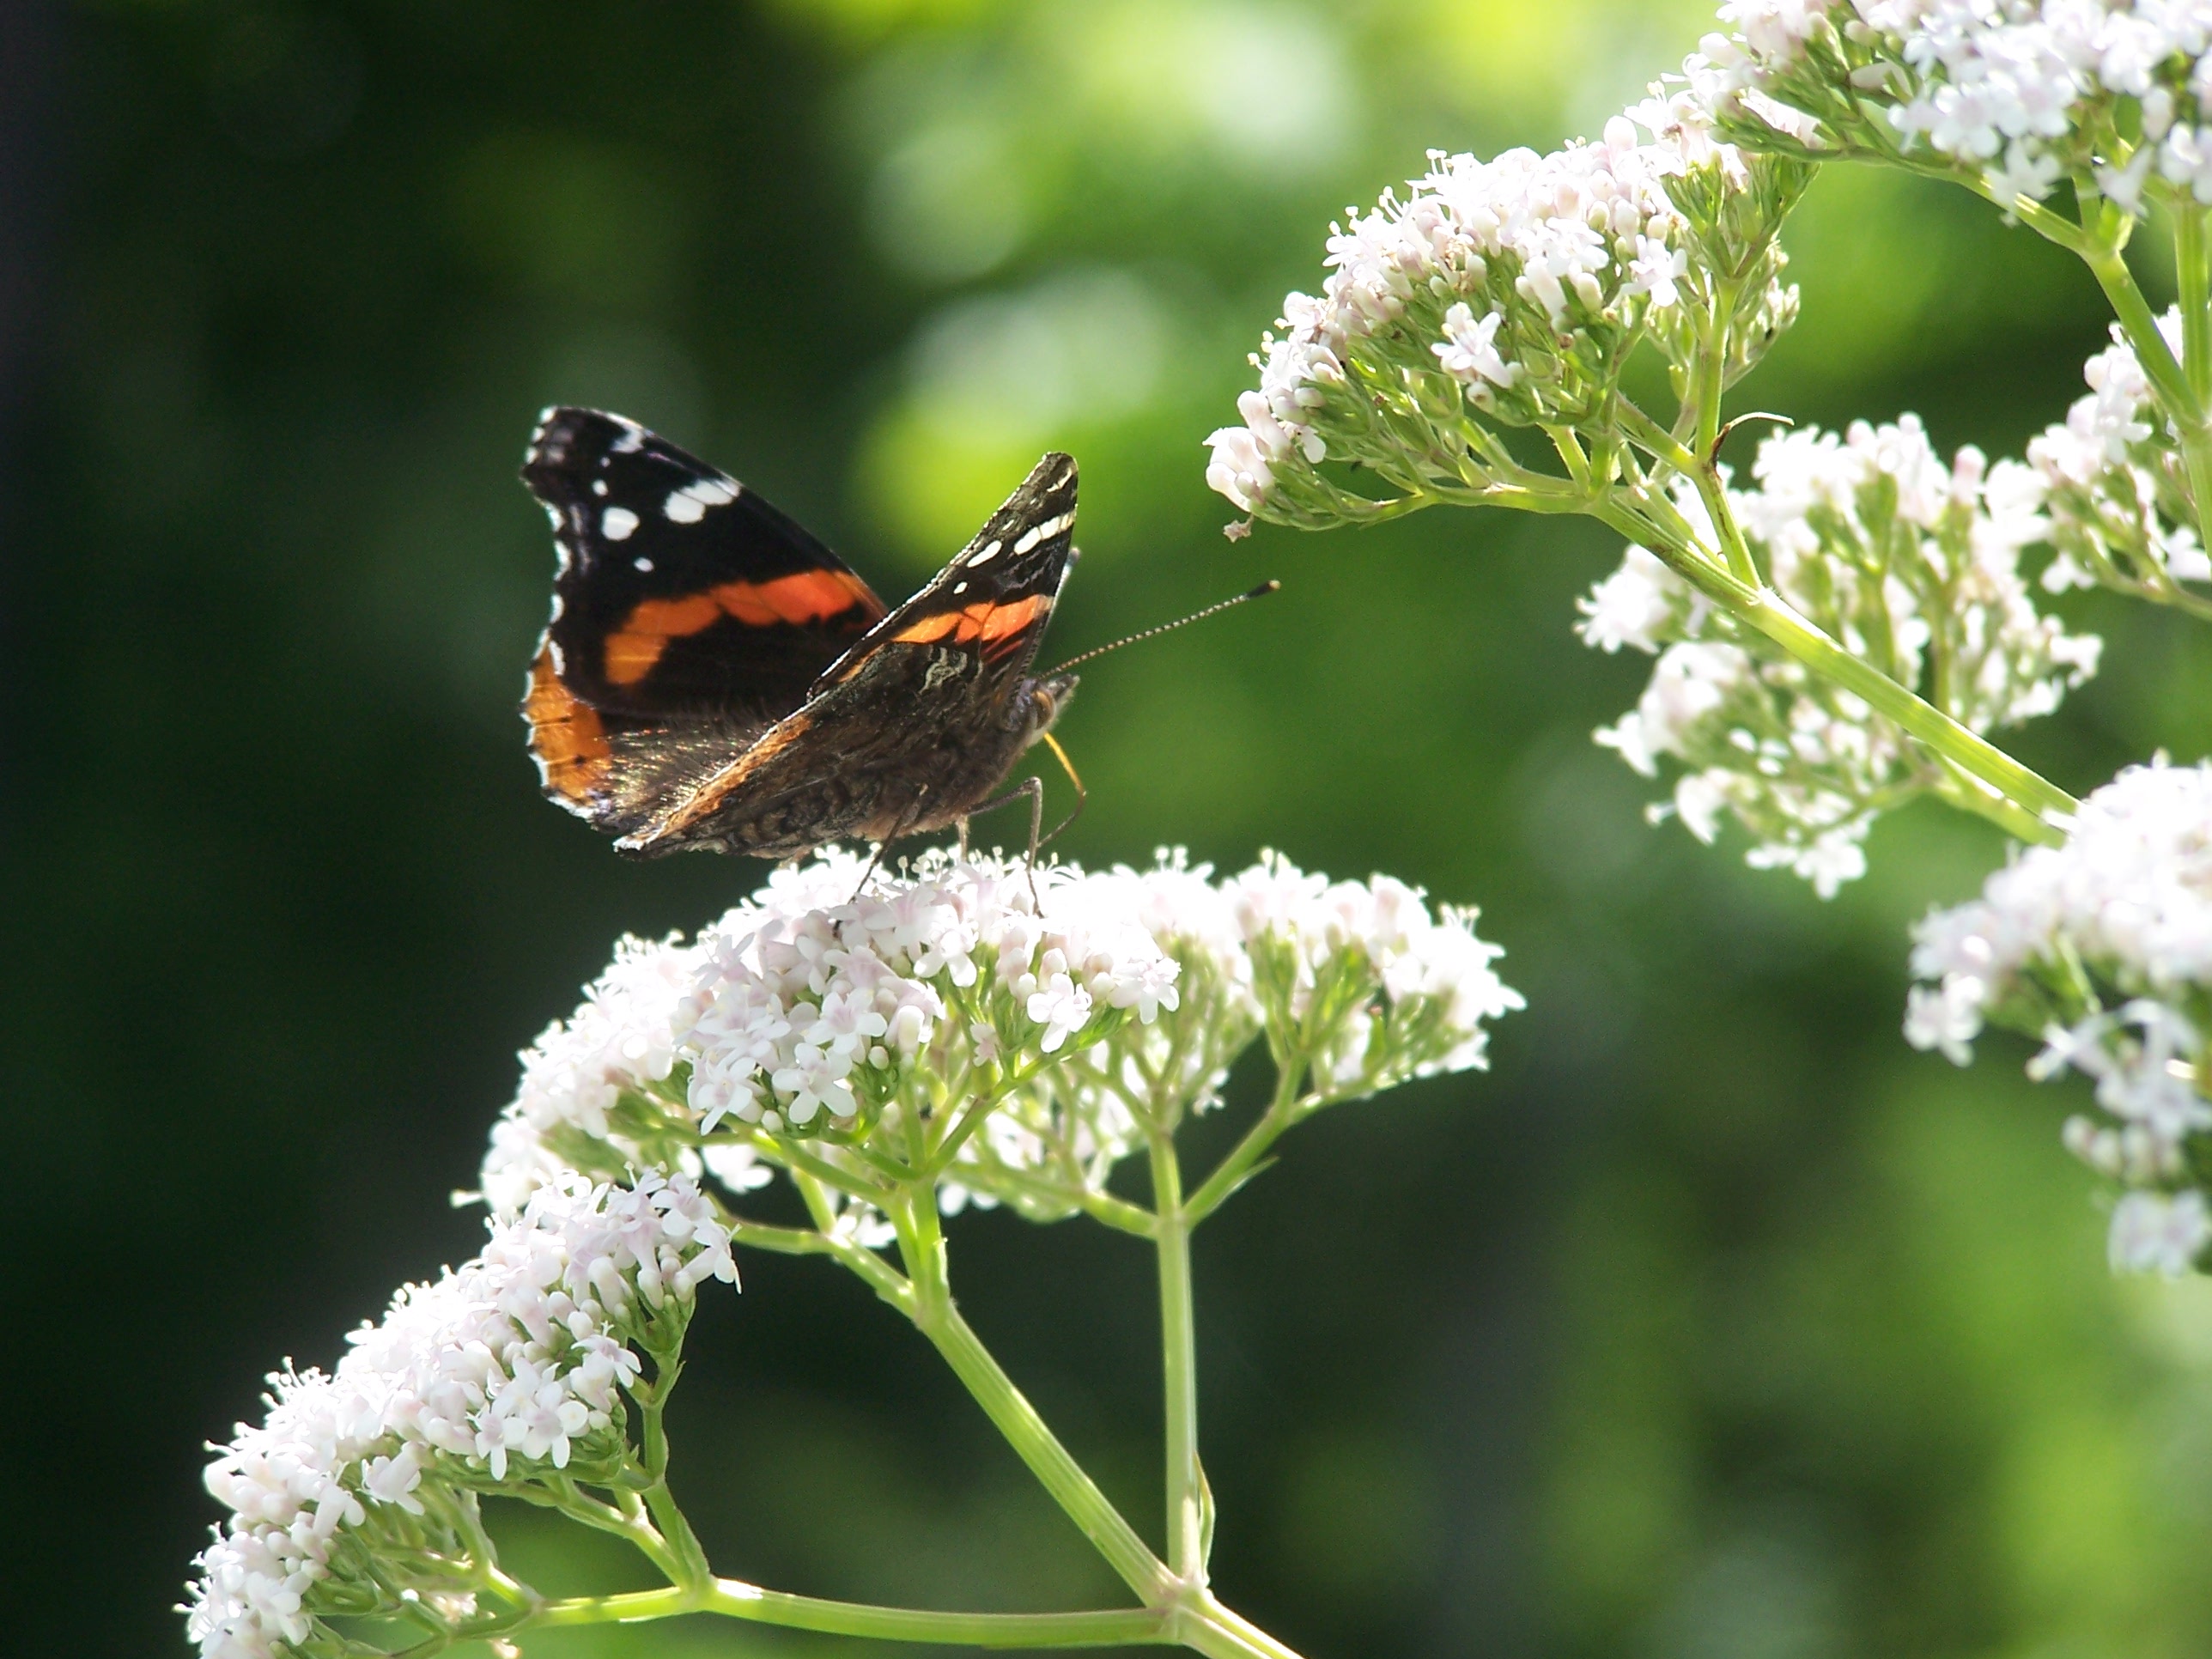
[1033, 787]
[899, 830]
[869, 874]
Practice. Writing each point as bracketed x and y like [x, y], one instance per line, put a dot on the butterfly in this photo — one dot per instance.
[715, 678]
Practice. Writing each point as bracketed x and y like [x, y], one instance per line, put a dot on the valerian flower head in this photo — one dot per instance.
[2102, 949]
[1504, 293]
[359, 1486]
[1357, 985]
[1035, 1036]
[621, 1039]
[2014, 94]
[1911, 564]
[2113, 490]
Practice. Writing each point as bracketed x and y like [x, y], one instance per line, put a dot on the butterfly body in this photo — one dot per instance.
[715, 679]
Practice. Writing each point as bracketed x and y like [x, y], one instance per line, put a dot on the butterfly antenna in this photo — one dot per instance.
[1262, 590]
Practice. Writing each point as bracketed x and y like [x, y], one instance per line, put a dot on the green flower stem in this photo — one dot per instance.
[1179, 1364]
[2185, 386]
[1767, 611]
[1238, 1167]
[1762, 608]
[1212, 1629]
[922, 1244]
[1115, 1213]
[804, 1165]
[2179, 398]
[1660, 445]
[970, 1119]
[881, 1277]
[1969, 796]
[1706, 389]
[738, 1600]
[2193, 277]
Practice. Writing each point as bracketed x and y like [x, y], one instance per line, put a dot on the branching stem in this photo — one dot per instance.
[1235, 1169]
[922, 1244]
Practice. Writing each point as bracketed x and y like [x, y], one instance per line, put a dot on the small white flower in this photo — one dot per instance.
[1947, 1017]
[2027, 171]
[1631, 606]
[2151, 1233]
[1466, 350]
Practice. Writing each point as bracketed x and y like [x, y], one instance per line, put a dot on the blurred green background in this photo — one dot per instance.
[1712, 1323]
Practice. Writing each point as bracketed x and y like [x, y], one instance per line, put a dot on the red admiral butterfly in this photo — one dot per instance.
[713, 678]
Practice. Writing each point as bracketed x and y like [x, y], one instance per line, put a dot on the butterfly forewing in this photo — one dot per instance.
[998, 594]
[690, 615]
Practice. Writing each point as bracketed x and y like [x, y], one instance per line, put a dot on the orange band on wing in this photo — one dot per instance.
[805, 596]
[984, 622]
[566, 737]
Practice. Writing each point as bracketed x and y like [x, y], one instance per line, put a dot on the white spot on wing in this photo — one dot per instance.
[598, 486]
[984, 554]
[632, 439]
[960, 588]
[688, 505]
[616, 523]
[641, 564]
[1043, 532]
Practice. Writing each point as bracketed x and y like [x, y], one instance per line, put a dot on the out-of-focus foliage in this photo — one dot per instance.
[1713, 1321]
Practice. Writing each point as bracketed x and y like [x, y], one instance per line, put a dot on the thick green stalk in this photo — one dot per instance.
[936, 1318]
[1209, 1628]
[738, 1600]
[1179, 1364]
[2193, 278]
[1768, 613]
[1969, 797]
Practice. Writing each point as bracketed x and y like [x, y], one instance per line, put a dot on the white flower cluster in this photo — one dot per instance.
[1358, 980]
[1911, 564]
[2023, 92]
[508, 1366]
[1311, 940]
[622, 1037]
[812, 1005]
[2102, 948]
[1121, 998]
[2119, 514]
[1501, 274]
